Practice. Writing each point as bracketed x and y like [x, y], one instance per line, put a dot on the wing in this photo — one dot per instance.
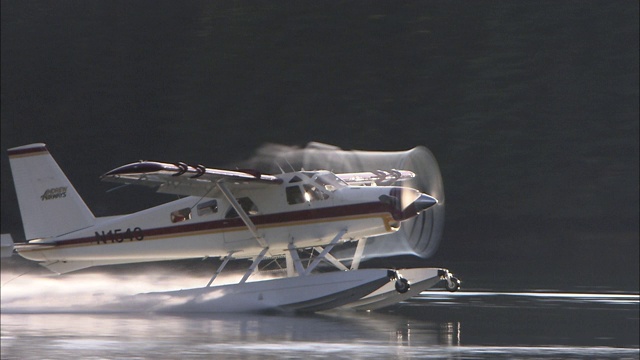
[378, 177]
[183, 179]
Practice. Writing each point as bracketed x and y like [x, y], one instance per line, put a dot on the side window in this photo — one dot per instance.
[208, 207]
[181, 215]
[294, 195]
[247, 205]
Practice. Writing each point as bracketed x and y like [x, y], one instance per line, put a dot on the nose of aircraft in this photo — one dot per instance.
[414, 202]
[424, 202]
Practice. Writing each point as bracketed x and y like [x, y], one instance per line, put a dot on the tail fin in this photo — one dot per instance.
[49, 204]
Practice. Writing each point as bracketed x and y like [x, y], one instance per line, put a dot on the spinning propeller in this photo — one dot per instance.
[420, 235]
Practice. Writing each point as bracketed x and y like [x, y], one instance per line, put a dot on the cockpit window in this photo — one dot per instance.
[313, 193]
[306, 193]
[247, 205]
[330, 181]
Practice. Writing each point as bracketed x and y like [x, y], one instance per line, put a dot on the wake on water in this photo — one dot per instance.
[402, 333]
[95, 292]
[107, 292]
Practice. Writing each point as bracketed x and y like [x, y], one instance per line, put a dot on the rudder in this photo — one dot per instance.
[50, 206]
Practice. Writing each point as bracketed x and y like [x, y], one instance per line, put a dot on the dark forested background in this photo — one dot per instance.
[531, 109]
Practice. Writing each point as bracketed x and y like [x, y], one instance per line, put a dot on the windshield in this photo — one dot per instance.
[329, 181]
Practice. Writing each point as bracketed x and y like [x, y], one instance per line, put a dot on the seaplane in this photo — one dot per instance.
[230, 214]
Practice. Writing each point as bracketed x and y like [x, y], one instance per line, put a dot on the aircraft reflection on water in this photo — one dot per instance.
[609, 298]
[433, 324]
[355, 335]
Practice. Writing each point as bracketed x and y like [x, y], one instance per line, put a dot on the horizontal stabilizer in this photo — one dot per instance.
[62, 267]
[7, 245]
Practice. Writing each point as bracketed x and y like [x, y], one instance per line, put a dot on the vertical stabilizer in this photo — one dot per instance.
[49, 204]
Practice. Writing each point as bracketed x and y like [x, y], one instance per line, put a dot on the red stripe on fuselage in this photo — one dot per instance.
[318, 214]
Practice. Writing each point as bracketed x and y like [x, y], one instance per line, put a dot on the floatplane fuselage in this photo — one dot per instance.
[229, 214]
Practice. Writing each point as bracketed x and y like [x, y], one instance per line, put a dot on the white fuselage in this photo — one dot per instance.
[194, 227]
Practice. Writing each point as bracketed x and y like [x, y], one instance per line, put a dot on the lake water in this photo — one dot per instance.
[436, 324]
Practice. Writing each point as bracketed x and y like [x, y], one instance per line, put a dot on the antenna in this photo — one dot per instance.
[202, 197]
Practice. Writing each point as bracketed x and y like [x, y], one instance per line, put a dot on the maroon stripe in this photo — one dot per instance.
[23, 151]
[269, 219]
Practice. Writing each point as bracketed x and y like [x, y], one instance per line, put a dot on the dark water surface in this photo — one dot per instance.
[433, 325]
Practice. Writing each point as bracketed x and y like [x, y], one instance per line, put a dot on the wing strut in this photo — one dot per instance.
[254, 265]
[324, 252]
[224, 263]
[295, 259]
[289, 261]
[243, 215]
[332, 259]
[250, 225]
[357, 256]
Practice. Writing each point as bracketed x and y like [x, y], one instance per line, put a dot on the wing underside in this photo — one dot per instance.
[188, 180]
